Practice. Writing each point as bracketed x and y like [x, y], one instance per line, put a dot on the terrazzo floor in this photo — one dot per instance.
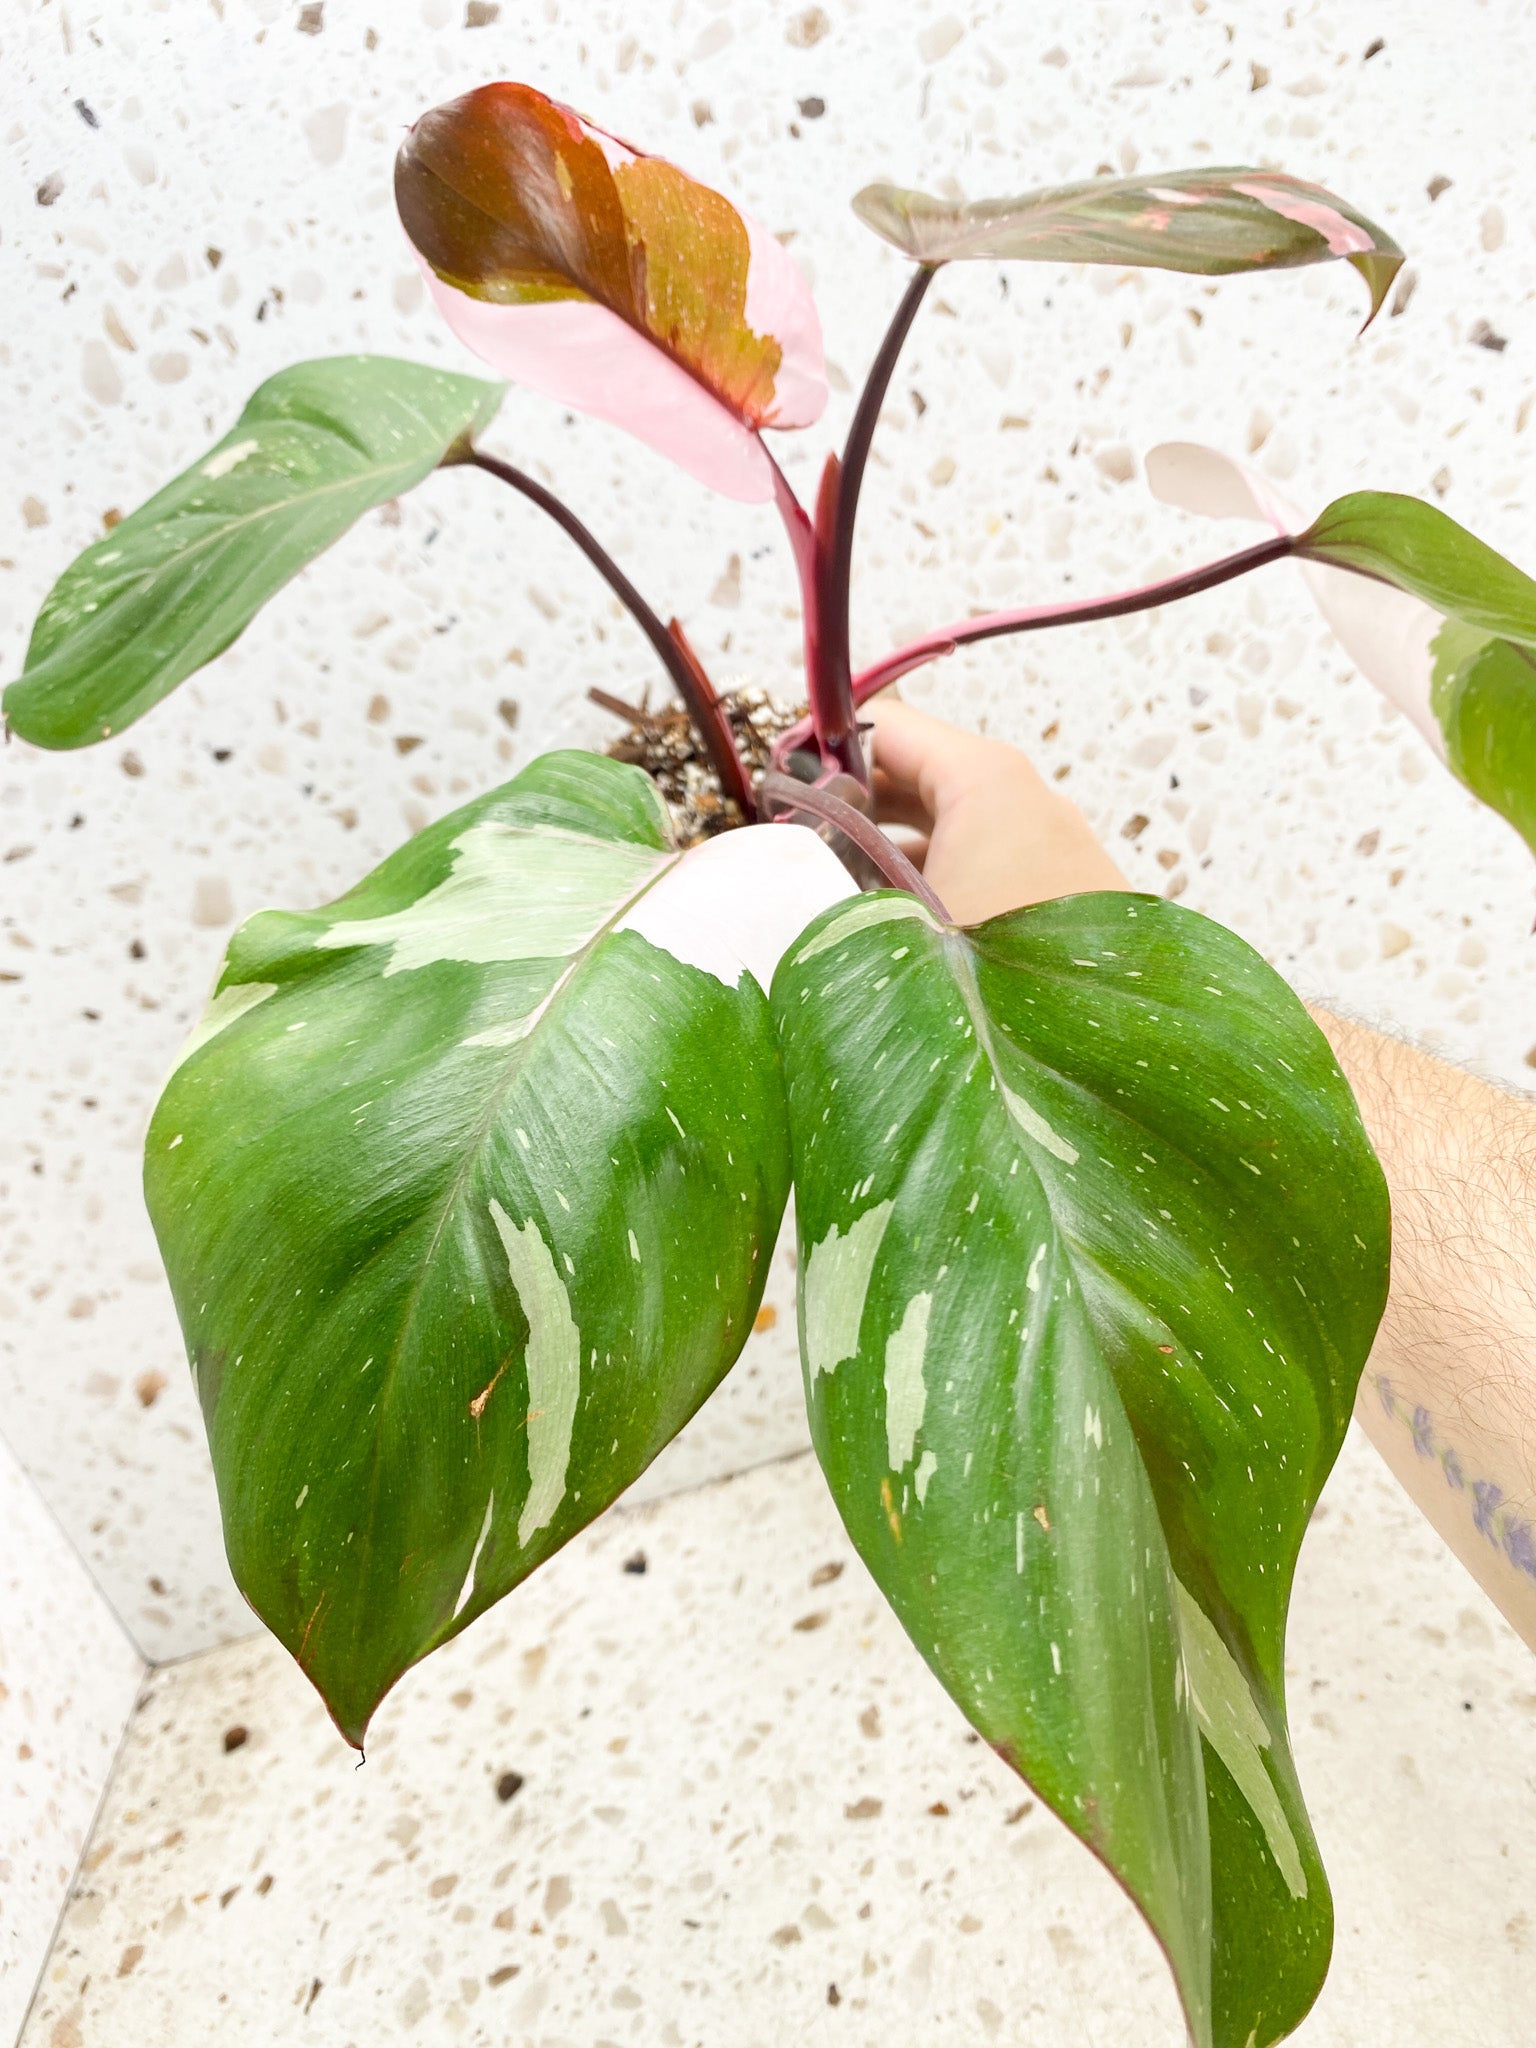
[691, 1786]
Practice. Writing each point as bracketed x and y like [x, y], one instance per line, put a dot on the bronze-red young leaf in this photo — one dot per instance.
[612, 281]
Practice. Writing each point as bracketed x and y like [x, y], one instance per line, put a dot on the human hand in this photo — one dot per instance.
[997, 835]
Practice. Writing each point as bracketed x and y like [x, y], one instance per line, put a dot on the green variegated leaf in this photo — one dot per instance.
[176, 581]
[1420, 549]
[1212, 223]
[466, 1186]
[1093, 1247]
[1483, 692]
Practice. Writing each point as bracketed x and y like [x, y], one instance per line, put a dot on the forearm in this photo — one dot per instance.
[1449, 1394]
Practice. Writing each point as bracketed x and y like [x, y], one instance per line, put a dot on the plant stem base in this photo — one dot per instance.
[666, 745]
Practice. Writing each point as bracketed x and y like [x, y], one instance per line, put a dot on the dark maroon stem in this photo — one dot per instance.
[736, 783]
[1031, 618]
[837, 565]
[676, 657]
[786, 793]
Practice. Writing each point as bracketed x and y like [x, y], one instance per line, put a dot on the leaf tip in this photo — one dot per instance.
[1379, 268]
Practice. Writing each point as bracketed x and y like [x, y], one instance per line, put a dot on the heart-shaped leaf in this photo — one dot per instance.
[176, 581]
[1094, 1247]
[466, 1186]
[611, 281]
[1442, 624]
[1210, 222]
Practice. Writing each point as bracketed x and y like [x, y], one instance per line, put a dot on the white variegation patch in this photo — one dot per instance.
[837, 1276]
[906, 1391]
[735, 904]
[1230, 1721]
[467, 1590]
[860, 916]
[512, 894]
[1034, 1125]
[553, 1367]
[225, 459]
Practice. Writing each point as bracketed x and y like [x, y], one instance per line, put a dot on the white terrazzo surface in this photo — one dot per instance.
[741, 1788]
[68, 1682]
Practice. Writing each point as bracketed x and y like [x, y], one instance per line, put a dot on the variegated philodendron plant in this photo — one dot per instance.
[467, 1183]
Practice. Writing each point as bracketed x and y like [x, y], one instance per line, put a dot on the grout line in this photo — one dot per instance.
[139, 1698]
[30, 1479]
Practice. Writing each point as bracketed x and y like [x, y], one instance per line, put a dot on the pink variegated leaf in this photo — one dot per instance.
[1386, 632]
[1440, 623]
[611, 281]
[1210, 222]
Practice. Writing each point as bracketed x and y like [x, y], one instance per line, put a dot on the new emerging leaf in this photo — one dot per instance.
[1212, 223]
[176, 581]
[1081, 1331]
[466, 1186]
[611, 281]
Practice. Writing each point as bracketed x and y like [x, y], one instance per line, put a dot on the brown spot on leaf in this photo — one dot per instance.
[1042, 1517]
[235, 1738]
[508, 1785]
[477, 1406]
[149, 1386]
[824, 1574]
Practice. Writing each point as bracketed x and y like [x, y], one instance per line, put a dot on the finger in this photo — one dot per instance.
[909, 746]
[898, 804]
